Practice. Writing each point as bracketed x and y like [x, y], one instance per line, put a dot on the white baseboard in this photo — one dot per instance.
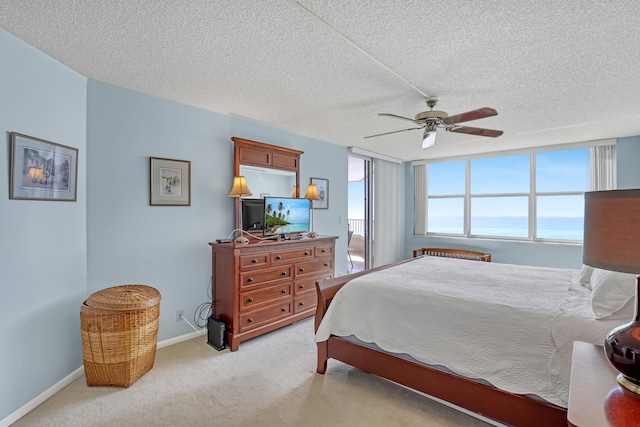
[33, 403]
[185, 337]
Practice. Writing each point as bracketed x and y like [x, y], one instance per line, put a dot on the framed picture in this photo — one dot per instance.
[170, 182]
[42, 170]
[323, 191]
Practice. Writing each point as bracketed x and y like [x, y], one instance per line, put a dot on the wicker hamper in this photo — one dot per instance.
[119, 327]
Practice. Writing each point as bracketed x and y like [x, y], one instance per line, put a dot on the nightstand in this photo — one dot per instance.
[595, 398]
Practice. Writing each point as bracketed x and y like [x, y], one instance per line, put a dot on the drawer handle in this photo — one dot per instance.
[250, 300]
[326, 265]
[284, 273]
[301, 270]
[301, 304]
[283, 309]
[301, 286]
[278, 257]
[324, 250]
[254, 261]
[284, 291]
[249, 320]
[306, 253]
[250, 279]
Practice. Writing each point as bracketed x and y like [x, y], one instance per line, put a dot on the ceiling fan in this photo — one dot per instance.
[433, 119]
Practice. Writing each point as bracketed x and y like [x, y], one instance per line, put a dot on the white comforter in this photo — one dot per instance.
[510, 325]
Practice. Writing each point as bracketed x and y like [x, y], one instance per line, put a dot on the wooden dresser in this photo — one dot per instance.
[265, 285]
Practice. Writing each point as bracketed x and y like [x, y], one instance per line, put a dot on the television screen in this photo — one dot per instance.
[252, 214]
[284, 215]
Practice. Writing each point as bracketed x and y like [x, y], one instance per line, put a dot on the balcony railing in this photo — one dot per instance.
[357, 226]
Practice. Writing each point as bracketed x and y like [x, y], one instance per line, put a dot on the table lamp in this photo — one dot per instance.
[240, 190]
[612, 242]
[35, 174]
[312, 194]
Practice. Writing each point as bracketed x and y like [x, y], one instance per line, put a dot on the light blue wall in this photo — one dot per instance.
[527, 253]
[43, 256]
[628, 162]
[166, 247]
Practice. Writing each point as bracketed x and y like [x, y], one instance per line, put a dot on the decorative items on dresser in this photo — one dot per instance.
[265, 285]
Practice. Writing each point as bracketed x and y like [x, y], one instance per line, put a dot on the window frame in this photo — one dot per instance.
[532, 195]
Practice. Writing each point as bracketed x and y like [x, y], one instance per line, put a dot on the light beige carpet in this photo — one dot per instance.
[270, 381]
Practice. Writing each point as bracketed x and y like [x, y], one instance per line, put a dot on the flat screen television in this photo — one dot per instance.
[286, 215]
[252, 214]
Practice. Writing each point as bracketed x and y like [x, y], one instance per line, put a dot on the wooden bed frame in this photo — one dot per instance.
[483, 399]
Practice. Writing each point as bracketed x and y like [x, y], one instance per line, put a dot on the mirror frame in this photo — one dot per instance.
[253, 153]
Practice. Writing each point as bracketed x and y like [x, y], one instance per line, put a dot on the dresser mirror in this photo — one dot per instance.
[264, 182]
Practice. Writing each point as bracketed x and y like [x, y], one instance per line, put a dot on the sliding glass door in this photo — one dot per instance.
[359, 220]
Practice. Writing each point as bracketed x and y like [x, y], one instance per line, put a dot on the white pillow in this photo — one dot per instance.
[585, 276]
[611, 292]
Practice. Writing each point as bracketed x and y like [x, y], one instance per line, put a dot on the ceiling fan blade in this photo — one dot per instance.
[474, 131]
[398, 117]
[480, 113]
[395, 131]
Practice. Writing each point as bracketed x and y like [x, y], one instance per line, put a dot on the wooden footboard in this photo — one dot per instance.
[483, 399]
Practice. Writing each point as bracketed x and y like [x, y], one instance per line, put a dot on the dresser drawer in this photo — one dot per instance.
[291, 255]
[252, 261]
[323, 250]
[305, 303]
[318, 266]
[265, 276]
[251, 299]
[256, 318]
[308, 285]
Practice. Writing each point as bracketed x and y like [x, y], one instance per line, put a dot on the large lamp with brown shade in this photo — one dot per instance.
[612, 242]
[240, 190]
[312, 194]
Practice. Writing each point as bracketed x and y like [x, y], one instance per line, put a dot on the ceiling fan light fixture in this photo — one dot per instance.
[429, 138]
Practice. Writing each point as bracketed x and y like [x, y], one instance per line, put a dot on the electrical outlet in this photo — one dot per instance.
[179, 314]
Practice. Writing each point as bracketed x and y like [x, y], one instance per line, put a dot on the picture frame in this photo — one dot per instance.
[42, 170]
[322, 185]
[170, 182]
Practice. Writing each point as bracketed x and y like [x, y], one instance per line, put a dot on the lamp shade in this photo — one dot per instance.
[612, 230]
[312, 192]
[239, 188]
[34, 173]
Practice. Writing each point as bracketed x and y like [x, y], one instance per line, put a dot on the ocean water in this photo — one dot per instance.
[566, 228]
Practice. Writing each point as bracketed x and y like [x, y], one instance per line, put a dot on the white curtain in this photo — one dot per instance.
[387, 212]
[603, 168]
[420, 226]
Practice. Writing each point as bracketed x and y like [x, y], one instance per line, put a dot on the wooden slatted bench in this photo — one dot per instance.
[453, 253]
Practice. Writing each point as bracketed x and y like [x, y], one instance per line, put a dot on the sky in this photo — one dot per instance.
[565, 170]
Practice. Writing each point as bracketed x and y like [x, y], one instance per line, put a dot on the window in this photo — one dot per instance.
[529, 196]
[446, 191]
[499, 196]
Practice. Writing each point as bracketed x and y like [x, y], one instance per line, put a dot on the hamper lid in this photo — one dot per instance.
[124, 297]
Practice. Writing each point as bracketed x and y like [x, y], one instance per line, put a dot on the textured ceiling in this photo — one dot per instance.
[556, 71]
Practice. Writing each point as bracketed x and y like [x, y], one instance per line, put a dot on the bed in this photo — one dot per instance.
[437, 325]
